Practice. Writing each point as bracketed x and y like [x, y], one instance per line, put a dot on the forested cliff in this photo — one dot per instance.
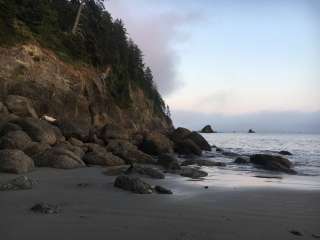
[74, 62]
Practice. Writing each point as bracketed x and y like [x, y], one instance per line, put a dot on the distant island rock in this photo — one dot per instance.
[207, 129]
[251, 131]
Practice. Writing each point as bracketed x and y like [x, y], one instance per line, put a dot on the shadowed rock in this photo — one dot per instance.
[8, 127]
[285, 153]
[156, 143]
[169, 162]
[200, 141]
[271, 162]
[71, 130]
[162, 190]
[207, 129]
[36, 148]
[133, 184]
[15, 140]
[58, 157]
[38, 130]
[187, 147]
[15, 161]
[129, 152]
[242, 160]
[192, 173]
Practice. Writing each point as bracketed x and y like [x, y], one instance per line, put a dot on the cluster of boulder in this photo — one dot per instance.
[27, 141]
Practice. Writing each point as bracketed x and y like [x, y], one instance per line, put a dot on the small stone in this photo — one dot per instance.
[162, 190]
[206, 187]
[45, 208]
[297, 233]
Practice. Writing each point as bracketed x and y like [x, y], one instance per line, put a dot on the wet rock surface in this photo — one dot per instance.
[272, 162]
[169, 162]
[133, 184]
[192, 173]
[162, 190]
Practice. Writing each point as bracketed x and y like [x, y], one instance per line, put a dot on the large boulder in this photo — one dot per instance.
[156, 143]
[75, 149]
[133, 184]
[38, 130]
[36, 148]
[187, 147]
[272, 162]
[129, 152]
[168, 161]
[192, 173]
[112, 131]
[58, 157]
[15, 140]
[179, 134]
[207, 129]
[15, 161]
[21, 106]
[106, 159]
[200, 141]
[8, 127]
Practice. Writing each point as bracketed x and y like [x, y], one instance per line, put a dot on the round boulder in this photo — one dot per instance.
[105, 159]
[15, 140]
[15, 161]
[156, 143]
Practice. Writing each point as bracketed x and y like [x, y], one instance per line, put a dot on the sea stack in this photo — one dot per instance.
[207, 129]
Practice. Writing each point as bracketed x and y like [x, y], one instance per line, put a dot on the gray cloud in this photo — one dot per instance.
[156, 33]
[306, 122]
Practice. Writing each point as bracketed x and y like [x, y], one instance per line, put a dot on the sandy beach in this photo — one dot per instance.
[97, 210]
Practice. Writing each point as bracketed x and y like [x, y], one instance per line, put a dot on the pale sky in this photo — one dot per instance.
[229, 57]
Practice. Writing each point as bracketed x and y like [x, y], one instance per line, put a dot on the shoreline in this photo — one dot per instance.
[99, 210]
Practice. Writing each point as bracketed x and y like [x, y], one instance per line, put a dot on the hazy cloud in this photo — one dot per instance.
[306, 122]
[156, 32]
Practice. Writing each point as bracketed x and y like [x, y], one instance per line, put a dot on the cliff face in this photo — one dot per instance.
[81, 94]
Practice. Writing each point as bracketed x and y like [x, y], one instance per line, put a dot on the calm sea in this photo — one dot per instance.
[304, 147]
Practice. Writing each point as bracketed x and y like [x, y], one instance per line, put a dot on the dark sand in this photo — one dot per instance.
[100, 211]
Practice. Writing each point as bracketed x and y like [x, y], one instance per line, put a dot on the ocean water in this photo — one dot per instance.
[304, 147]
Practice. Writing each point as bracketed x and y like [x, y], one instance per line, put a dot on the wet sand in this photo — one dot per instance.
[97, 210]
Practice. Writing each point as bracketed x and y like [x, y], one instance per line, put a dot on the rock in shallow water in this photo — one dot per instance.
[242, 160]
[133, 184]
[162, 190]
[20, 183]
[271, 162]
[285, 153]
